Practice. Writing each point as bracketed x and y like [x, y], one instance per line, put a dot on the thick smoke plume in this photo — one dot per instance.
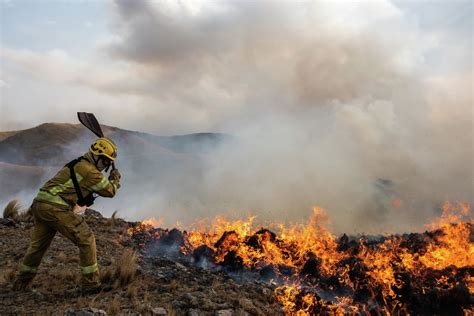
[329, 104]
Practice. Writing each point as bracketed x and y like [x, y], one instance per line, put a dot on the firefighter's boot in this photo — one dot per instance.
[23, 282]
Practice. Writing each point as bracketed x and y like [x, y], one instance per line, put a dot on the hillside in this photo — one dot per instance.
[50, 143]
[7, 134]
[32, 155]
[233, 270]
[140, 285]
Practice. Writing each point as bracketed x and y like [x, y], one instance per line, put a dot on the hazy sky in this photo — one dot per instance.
[175, 67]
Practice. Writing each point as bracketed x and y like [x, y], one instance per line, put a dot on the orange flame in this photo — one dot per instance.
[453, 246]
[153, 222]
[292, 246]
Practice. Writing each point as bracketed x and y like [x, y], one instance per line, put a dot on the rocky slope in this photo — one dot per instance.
[140, 284]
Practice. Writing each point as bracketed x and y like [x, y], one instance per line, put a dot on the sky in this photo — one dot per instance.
[327, 98]
[162, 65]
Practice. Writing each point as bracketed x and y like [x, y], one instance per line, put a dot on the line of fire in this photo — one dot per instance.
[316, 272]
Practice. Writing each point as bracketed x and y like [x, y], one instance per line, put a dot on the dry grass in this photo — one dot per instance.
[141, 306]
[107, 275]
[123, 271]
[67, 276]
[26, 216]
[132, 291]
[83, 302]
[7, 276]
[12, 210]
[113, 220]
[113, 308]
[126, 267]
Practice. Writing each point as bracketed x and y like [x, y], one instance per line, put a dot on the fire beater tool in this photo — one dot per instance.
[89, 121]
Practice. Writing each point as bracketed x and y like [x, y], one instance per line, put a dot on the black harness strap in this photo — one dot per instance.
[81, 200]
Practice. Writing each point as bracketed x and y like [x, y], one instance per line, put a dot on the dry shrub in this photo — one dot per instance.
[12, 210]
[113, 308]
[126, 267]
[123, 271]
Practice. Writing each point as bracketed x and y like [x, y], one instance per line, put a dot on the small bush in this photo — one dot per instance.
[12, 210]
[121, 272]
[127, 267]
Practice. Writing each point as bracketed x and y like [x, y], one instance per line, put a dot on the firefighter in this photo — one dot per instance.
[56, 208]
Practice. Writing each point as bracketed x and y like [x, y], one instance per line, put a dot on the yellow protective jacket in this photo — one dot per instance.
[60, 191]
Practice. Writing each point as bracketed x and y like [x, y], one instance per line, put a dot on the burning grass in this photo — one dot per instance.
[316, 272]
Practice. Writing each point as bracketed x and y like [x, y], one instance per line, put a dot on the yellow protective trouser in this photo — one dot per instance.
[48, 220]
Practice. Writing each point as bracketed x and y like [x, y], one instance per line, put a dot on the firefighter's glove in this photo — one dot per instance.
[115, 176]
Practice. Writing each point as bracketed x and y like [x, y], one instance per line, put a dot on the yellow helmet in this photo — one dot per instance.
[104, 147]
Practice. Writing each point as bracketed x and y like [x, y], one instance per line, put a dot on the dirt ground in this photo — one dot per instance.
[140, 285]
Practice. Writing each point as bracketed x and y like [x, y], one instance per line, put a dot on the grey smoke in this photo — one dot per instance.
[325, 103]
[322, 113]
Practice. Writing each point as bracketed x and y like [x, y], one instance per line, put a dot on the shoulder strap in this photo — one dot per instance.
[71, 165]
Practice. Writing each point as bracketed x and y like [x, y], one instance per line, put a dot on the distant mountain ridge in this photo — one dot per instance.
[48, 144]
[29, 157]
